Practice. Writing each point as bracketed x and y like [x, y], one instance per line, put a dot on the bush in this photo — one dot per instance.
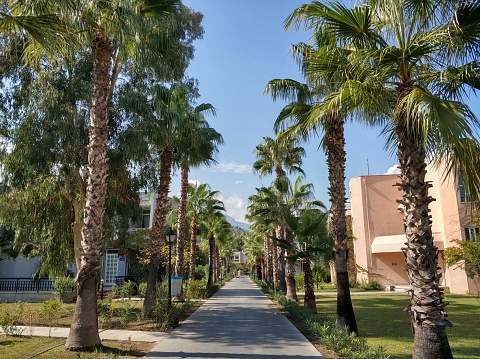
[142, 289]
[372, 285]
[201, 272]
[50, 311]
[321, 274]
[352, 283]
[128, 289]
[300, 281]
[9, 319]
[196, 289]
[114, 292]
[349, 345]
[65, 289]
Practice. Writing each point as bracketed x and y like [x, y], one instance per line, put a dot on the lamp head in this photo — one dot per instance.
[170, 236]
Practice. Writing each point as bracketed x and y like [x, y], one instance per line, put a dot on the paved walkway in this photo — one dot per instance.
[238, 322]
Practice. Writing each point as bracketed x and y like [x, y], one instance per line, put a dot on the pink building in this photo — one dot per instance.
[378, 229]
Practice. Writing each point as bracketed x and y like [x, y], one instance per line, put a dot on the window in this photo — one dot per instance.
[236, 257]
[461, 189]
[472, 234]
[144, 220]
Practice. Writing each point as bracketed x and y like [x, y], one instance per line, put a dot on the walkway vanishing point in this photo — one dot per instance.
[238, 322]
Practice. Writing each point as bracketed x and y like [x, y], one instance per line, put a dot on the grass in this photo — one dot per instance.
[14, 347]
[381, 321]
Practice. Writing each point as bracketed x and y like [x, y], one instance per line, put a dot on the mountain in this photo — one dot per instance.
[235, 223]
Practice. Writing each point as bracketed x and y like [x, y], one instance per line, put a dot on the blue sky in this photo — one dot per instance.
[245, 46]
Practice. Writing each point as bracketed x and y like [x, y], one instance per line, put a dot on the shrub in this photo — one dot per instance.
[321, 274]
[352, 283]
[349, 345]
[50, 310]
[372, 285]
[201, 272]
[114, 292]
[300, 281]
[196, 289]
[9, 318]
[142, 289]
[65, 289]
[128, 289]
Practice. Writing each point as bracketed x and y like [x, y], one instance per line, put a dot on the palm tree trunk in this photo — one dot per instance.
[181, 228]
[84, 329]
[290, 269]
[182, 223]
[282, 283]
[336, 157]
[426, 303]
[258, 267]
[211, 259]
[193, 247]
[158, 228]
[275, 262]
[309, 300]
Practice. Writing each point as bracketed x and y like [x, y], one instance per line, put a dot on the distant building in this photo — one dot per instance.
[379, 235]
[238, 257]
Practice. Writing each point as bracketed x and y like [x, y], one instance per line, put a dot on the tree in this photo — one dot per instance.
[418, 62]
[214, 225]
[104, 24]
[309, 228]
[201, 201]
[280, 157]
[466, 256]
[196, 146]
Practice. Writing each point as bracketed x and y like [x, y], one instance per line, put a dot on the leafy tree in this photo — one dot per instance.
[466, 256]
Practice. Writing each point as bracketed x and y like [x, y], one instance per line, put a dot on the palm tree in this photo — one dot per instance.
[279, 157]
[196, 146]
[214, 224]
[309, 227]
[157, 125]
[307, 117]
[419, 61]
[201, 201]
[264, 214]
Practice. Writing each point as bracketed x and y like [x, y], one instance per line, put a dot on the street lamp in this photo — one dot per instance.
[170, 237]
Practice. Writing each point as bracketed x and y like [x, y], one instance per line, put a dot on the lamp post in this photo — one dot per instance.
[170, 237]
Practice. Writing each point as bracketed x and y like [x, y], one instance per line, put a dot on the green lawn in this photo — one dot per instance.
[52, 348]
[382, 322]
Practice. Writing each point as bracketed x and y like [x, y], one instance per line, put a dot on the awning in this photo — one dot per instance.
[395, 243]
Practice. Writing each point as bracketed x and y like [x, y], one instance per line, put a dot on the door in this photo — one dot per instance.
[111, 268]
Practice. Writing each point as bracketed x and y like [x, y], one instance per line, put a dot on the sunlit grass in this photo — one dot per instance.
[382, 322]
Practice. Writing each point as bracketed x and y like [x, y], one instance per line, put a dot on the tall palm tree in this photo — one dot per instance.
[309, 228]
[158, 124]
[420, 63]
[214, 224]
[201, 201]
[264, 214]
[196, 146]
[306, 119]
[279, 157]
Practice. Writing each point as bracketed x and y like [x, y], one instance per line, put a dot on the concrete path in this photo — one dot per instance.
[239, 322]
[108, 334]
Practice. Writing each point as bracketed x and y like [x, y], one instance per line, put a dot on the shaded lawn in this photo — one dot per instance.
[14, 347]
[382, 322]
